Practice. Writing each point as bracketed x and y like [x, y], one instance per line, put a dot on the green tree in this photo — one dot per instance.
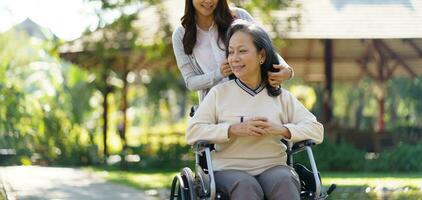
[37, 115]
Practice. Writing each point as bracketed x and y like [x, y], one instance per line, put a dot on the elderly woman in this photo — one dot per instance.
[247, 117]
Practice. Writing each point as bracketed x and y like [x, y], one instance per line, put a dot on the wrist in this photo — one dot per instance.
[286, 133]
[291, 72]
[230, 131]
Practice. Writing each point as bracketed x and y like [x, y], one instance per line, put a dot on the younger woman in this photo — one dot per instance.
[199, 45]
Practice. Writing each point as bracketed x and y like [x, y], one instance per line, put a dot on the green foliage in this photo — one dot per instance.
[166, 89]
[345, 157]
[271, 4]
[355, 105]
[41, 115]
[404, 104]
[335, 157]
[171, 156]
[404, 157]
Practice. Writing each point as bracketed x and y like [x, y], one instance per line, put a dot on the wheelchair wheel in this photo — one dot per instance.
[188, 175]
[177, 191]
[182, 187]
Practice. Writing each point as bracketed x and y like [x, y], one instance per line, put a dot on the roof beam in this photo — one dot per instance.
[414, 46]
[392, 69]
[380, 59]
[363, 65]
[398, 58]
[363, 62]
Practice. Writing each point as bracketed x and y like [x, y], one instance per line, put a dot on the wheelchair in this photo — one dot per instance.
[200, 184]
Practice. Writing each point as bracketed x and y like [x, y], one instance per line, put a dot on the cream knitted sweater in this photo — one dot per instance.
[227, 103]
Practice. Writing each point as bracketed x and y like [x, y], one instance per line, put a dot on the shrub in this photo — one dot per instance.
[335, 157]
[404, 157]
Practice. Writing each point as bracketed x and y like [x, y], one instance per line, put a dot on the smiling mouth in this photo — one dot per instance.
[208, 6]
[238, 67]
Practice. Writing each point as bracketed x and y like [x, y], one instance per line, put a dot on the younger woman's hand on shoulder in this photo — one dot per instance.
[225, 68]
[277, 78]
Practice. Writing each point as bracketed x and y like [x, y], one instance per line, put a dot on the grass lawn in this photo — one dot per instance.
[374, 185]
[349, 185]
[147, 179]
[1, 193]
[389, 180]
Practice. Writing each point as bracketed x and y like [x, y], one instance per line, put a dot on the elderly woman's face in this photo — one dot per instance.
[243, 57]
[205, 8]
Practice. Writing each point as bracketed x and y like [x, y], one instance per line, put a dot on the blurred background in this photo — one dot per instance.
[91, 87]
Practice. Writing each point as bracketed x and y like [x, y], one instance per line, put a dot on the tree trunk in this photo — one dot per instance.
[124, 123]
[106, 92]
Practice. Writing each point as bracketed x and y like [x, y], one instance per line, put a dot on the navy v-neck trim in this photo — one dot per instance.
[249, 90]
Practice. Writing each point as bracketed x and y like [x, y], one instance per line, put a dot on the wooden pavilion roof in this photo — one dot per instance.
[353, 26]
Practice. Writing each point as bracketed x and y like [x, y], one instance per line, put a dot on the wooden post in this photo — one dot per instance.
[328, 88]
[381, 63]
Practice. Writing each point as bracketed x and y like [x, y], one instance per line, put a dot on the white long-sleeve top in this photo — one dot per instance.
[227, 103]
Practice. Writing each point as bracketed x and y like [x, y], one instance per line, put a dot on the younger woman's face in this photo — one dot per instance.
[204, 8]
[243, 57]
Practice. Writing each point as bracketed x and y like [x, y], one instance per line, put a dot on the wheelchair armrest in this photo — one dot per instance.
[300, 146]
[201, 145]
[203, 162]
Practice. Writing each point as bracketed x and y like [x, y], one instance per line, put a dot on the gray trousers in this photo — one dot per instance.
[280, 182]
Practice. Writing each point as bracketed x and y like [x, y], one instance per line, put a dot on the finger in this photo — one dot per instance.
[270, 75]
[275, 83]
[255, 131]
[280, 67]
[258, 118]
[260, 124]
[272, 82]
[277, 75]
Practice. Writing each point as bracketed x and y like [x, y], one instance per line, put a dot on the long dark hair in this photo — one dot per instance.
[262, 41]
[223, 17]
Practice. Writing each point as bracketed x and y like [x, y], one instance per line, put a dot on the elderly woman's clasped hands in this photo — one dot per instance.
[258, 126]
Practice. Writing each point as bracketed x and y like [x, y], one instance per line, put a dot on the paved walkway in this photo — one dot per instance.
[36, 183]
